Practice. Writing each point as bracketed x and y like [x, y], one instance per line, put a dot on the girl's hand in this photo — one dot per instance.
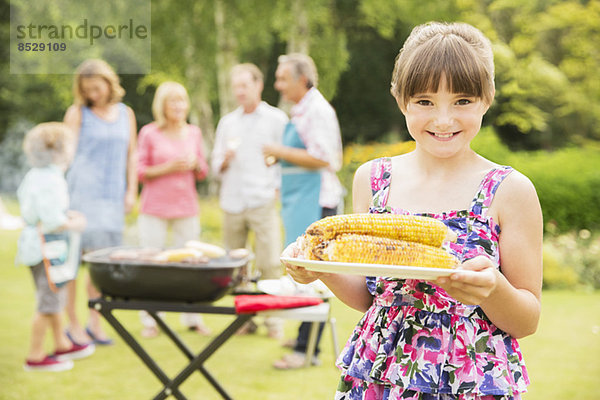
[299, 274]
[474, 284]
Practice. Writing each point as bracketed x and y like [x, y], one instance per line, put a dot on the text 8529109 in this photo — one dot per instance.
[35, 46]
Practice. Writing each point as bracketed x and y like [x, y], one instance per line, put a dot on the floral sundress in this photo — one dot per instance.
[416, 341]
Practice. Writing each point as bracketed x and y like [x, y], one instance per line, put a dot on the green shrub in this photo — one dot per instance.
[489, 146]
[566, 180]
[574, 253]
[211, 219]
[556, 274]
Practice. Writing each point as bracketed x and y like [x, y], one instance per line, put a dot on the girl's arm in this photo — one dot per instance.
[350, 289]
[511, 298]
[132, 177]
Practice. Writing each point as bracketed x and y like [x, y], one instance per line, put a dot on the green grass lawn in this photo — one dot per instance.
[563, 357]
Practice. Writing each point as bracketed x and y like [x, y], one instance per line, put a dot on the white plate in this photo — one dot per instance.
[285, 286]
[392, 271]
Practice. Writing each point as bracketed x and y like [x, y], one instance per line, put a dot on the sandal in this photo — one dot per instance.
[97, 340]
[289, 343]
[150, 332]
[275, 333]
[248, 328]
[293, 361]
[202, 329]
[72, 339]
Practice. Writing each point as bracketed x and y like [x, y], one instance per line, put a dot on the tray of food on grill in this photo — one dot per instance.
[197, 272]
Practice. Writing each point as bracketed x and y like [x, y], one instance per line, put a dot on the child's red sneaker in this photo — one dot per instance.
[76, 352]
[49, 363]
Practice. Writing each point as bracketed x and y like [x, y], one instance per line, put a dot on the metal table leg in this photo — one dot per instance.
[171, 386]
[106, 312]
[196, 362]
[312, 343]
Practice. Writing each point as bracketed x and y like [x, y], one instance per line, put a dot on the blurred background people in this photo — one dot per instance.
[310, 156]
[102, 178]
[44, 202]
[249, 182]
[171, 161]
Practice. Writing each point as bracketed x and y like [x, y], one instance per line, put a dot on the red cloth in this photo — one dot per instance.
[249, 303]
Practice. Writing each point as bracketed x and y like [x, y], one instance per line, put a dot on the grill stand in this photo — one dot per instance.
[105, 306]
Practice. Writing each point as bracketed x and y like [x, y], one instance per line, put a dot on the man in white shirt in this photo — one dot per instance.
[310, 155]
[249, 183]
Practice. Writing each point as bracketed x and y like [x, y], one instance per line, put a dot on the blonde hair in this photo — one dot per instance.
[256, 73]
[95, 68]
[165, 90]
[302, 65]
[48, 143]
[457, 51]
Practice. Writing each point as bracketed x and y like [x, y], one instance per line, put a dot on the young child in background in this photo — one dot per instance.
[44, 202]
[454, 338]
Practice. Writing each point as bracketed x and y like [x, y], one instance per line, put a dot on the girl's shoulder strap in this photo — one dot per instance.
[487, 189]
[381, 177]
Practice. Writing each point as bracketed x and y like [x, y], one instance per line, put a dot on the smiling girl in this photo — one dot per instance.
[453, 338]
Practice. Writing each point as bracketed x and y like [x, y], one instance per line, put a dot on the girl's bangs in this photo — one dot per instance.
[445, 57]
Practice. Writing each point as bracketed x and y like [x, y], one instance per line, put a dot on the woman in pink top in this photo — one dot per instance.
[171, 160]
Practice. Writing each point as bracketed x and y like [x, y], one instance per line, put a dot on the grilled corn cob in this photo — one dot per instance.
[379, 250]
[207, 249]
[307, 244]
[178, 255]
[403, 227]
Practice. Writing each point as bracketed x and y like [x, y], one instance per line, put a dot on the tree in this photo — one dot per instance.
[547, 91]
[365, 108]
[226, 56]
[376, 31]
[548, 94]
[314, 27]
[183, 50]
